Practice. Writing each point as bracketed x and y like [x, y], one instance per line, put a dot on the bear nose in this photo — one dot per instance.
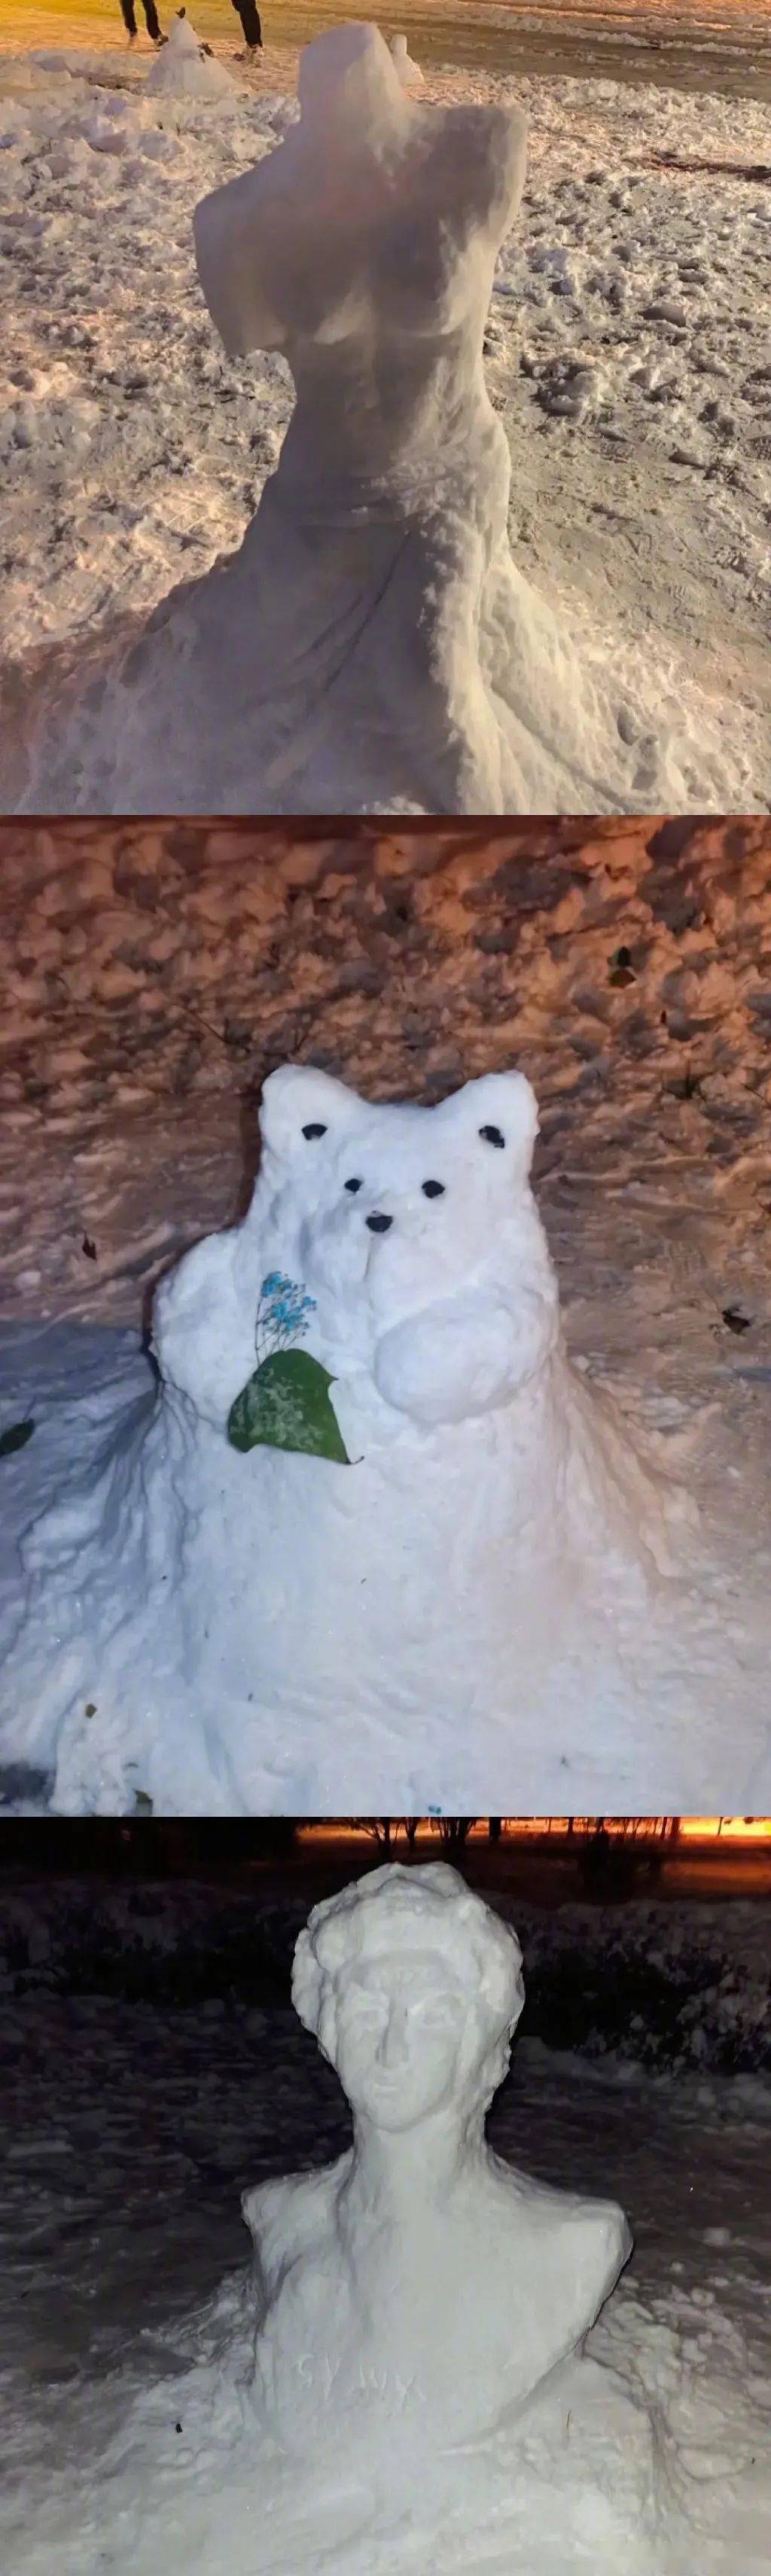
[378, 1224]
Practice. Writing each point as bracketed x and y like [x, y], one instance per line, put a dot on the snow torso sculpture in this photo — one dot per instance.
[419, 2293]
[371, 646]
[185, 69]
[410, 74]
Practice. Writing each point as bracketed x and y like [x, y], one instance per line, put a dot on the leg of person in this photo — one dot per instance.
[128, 14]
[153, 22]
[250, 21]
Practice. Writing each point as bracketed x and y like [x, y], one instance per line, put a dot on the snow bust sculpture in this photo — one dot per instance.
[419, 2293]
[398, 2385]
[371, 647]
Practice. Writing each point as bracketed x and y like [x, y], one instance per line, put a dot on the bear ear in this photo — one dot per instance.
[503, 1111]
[300, 1106]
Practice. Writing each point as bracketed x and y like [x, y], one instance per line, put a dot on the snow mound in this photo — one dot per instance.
[184, 69]
[410, 74]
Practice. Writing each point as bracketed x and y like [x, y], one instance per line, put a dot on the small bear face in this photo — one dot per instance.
[407, 1200]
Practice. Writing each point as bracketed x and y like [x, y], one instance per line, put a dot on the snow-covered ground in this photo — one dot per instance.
[627, 354]
[154, 976]
[129, 2128]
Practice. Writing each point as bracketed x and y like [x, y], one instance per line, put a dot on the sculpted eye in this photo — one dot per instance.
[353, 1185]
[492, 1135]
[433, 1189]
[314, 1130]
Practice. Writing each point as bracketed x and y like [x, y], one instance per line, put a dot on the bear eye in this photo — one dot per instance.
[353, 1185]
[492, 1135]
[314, 1130]
[433, 1189]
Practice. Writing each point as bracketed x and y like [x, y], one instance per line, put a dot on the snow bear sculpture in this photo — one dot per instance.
[417, 2294]
[396, 1492]
[372, 1540]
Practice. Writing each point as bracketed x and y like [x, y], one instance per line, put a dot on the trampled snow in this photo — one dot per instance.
[131, 2128]
[631, 353]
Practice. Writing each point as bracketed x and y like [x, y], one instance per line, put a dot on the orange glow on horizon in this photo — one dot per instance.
[748, 1829]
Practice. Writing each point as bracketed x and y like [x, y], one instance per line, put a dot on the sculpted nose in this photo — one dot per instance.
[378, 1223]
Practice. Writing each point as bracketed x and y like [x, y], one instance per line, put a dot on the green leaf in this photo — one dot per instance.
[286, 1405]
[16, 1437]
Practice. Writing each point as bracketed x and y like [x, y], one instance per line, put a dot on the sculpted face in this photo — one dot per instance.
[393, 2028]
[413, 1989]
[401, 1203]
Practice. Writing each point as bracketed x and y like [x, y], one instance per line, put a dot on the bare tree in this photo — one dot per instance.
[453, 1831]
[383, 1829]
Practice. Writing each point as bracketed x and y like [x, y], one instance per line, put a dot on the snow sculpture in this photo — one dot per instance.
[391, 1476]
[419, 2294]
[370, 648]
[410, 74]
[373, 1517]
[185, 68]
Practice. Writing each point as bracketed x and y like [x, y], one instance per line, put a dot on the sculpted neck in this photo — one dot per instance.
[402, 2175]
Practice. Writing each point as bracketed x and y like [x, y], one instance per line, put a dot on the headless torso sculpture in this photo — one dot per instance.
[371, 647]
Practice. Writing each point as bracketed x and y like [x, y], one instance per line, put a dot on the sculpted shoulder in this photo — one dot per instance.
[562, 2236]
[289, 2215]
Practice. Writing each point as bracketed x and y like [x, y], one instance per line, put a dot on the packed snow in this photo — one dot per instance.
[185, 68]
[629, 982]
[130, 2129]
[625, 354]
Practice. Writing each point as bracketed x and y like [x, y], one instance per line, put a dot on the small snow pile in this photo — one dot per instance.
[185, 69]
[410, 74]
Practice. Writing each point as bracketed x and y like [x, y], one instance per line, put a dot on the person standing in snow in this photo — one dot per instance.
[251, 23]
[129, 16]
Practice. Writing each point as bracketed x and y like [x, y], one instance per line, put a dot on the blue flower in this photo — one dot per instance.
[283, 1309]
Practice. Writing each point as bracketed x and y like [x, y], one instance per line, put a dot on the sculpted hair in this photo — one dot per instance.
[397, 1909]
